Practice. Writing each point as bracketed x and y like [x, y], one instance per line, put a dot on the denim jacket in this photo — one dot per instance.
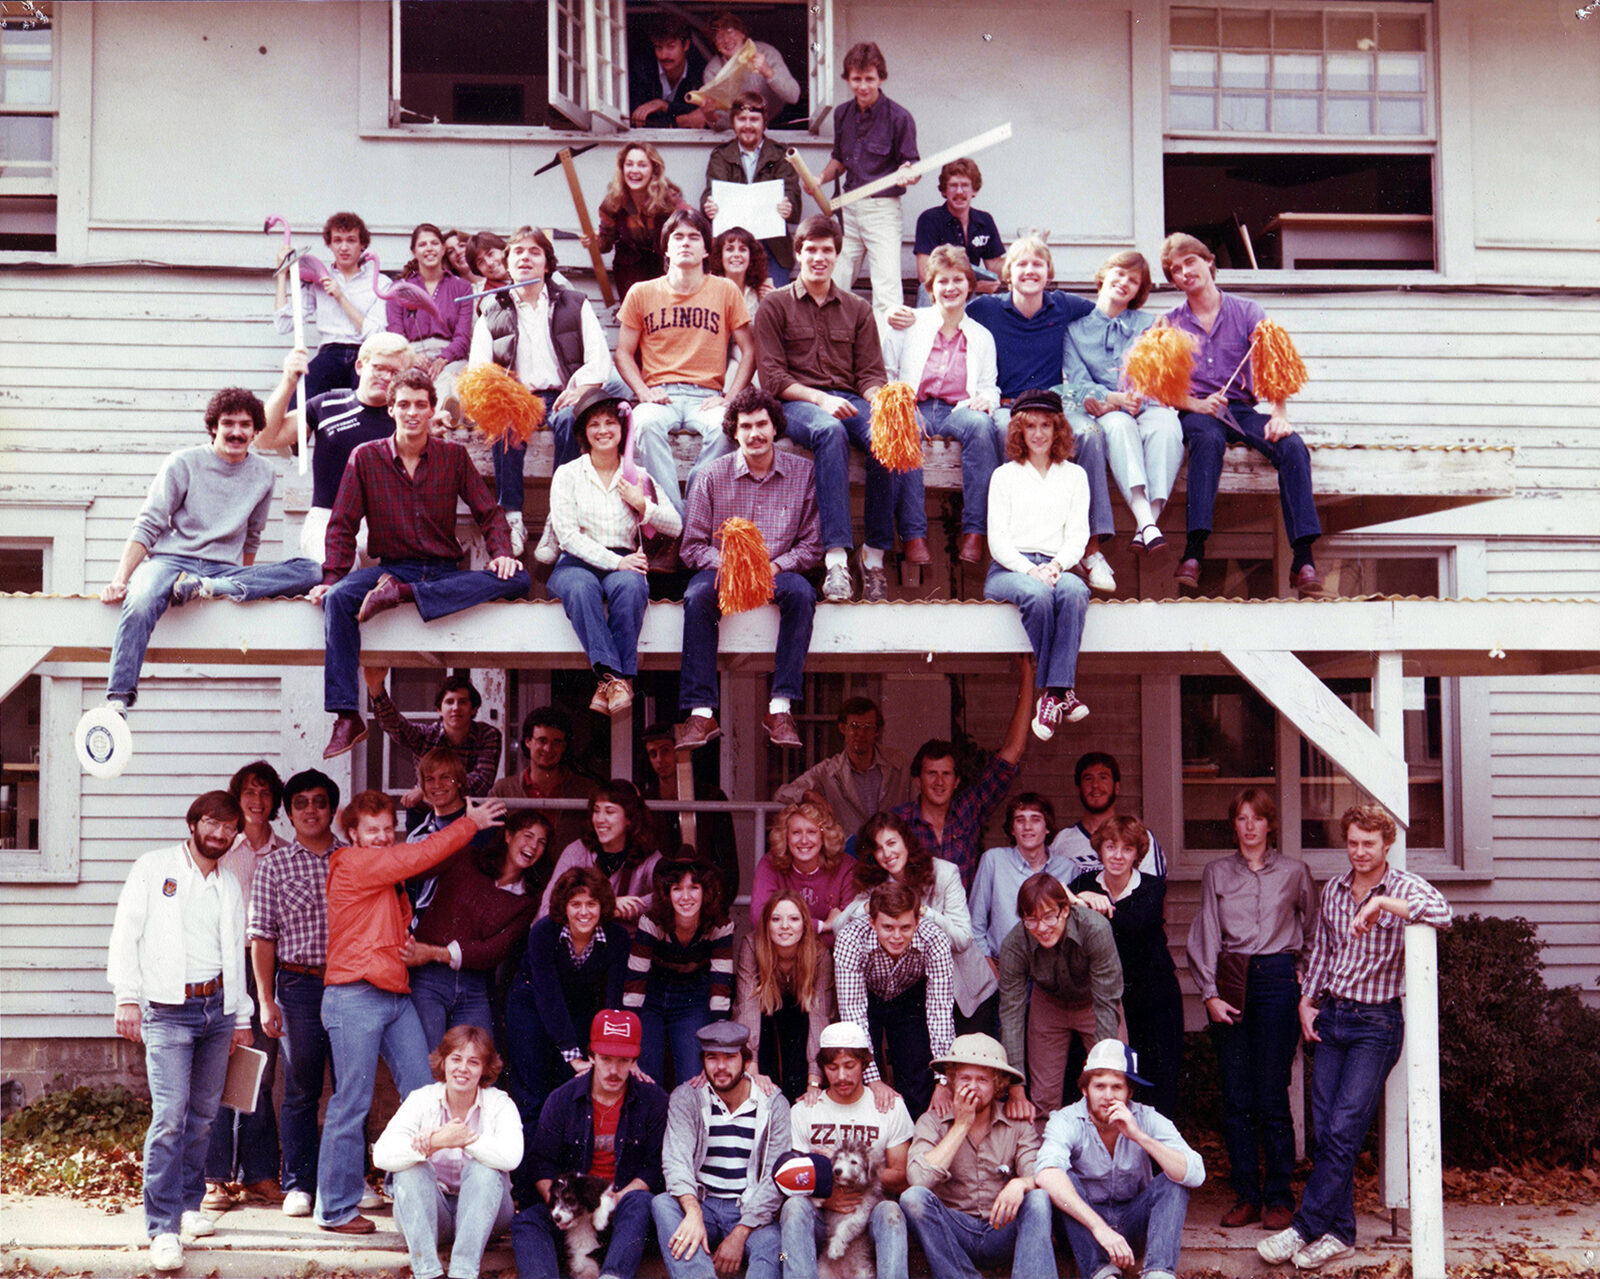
[564, 1140]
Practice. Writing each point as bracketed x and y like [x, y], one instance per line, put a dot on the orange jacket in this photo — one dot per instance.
[368, 916]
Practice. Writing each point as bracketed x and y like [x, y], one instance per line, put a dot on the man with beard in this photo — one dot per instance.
[177, 967]
[753, 157]
[546, 735]
[1099, 781]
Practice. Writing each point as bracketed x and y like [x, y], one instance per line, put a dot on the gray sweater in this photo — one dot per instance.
[202, 506]
[684, 1149]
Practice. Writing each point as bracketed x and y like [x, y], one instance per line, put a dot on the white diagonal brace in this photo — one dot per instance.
[16, 664]
[1331, 726]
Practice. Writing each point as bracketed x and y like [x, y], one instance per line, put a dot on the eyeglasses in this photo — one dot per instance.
[1038, 923]
[217, 824]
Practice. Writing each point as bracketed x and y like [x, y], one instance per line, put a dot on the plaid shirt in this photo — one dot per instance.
[289, 902]
[860, 967]
[480, 753]
[969, 813]
[782, 504]
[409, 517]
[1369, 969]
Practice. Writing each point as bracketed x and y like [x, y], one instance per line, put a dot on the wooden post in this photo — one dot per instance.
[687, 822]
[567, 167]
[1422, 1082]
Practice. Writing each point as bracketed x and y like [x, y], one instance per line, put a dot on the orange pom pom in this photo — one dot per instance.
[1160, 363]
[896, 438]
[498, 405]
[744, 580]
[1278, 369]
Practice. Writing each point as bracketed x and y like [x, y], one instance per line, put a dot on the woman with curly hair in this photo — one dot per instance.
[680, 968]
[621, 843]
[739, 256]
[635, 206]
[575, 964]
[784, 978]
[890, 850]
[805, 855]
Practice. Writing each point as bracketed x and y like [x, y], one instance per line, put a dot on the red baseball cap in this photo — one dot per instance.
[615, 1033]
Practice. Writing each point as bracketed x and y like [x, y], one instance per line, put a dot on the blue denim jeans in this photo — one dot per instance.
[888, 498]
[1151, 1222]
[800, 1221]
[307, 1057]
[683, 413]
[1053, 617]
[982, 449]
[796, 599]
[606, 608]
[428, 1215]
[721, 1216]
[362, 1021]
[243, 1147]
[1255, 1057]
[150, 594]
[1359, 1047]
[508, 461]
[446, 997]
[533, 1238]
[673, 1011]
[441, 589]
[1143, 451]
[956, 1243]
[185, 1061]
[1089, 452]
[1208, 439]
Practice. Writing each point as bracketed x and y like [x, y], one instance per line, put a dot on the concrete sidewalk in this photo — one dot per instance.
[46, 1235]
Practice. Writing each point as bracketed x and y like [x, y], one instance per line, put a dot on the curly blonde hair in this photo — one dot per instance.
[822, 816]
[661, 195]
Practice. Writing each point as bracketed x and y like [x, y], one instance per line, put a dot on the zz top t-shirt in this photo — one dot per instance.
[824, 1125]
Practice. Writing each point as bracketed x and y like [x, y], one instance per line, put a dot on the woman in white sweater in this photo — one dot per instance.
[888, 849]
[1038, 528]
[451, 1147]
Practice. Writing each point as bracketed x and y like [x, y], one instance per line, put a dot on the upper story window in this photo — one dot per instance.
[568, 64]
[1301, 136]
[27, 99]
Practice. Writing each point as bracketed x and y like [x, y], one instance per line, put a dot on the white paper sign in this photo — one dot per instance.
[754, 206]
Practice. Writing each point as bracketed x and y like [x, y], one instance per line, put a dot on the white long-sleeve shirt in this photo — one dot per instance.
[906, 351]
[493, 1117]
[536, 352]
[333, 324]
[591, 519]
[1039, 514]
[148, 955]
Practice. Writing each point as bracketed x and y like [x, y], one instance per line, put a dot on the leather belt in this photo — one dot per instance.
[305, 970]
[200, 989]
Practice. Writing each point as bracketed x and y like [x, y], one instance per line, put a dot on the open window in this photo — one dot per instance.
[1301, 136]
[565, 64]
[29, 92]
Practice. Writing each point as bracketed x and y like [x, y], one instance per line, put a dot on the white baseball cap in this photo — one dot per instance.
[845, 1034]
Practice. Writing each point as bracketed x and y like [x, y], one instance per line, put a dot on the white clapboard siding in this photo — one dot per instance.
[190, 735]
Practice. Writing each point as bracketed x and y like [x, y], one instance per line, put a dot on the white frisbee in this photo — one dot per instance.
[104, 743]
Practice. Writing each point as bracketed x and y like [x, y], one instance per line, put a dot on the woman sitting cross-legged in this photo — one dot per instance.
[785, 985]
[600, 578]
[451, 1147]
[680, 970]
[1038, 528]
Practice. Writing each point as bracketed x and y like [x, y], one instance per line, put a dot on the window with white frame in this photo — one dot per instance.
[565, 64]
[1300, 135]
[1232, 737]
[29, 89]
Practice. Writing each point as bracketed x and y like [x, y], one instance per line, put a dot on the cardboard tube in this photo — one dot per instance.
[809, 180]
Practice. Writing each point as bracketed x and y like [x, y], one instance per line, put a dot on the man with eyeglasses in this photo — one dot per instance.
[177, 967]
[288, 929]
[862, 779]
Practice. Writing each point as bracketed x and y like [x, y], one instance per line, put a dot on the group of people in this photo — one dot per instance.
[901, 989]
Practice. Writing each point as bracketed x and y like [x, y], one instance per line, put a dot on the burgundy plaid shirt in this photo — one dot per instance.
[409, 517]
[969, 813]
[1370, 969]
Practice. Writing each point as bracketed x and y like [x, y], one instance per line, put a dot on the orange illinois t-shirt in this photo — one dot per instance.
[684, 337]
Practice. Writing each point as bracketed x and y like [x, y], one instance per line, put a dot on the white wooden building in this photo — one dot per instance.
[1445, 297]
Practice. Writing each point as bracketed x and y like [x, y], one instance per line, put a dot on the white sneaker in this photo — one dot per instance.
[1316, 1255]
[166, 1253]
[1101, 580]
[1278, 1248]
[549, 550]
[196, 1225]
[297, 1203]
[372, 1199]
[836, 584]
[519, 534]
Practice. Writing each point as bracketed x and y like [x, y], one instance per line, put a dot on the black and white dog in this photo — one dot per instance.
[855, 1167]
[581, 1210]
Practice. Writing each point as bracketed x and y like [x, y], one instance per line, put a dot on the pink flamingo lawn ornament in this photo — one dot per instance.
[404, 292]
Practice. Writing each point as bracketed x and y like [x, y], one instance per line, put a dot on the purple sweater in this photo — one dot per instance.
[415, 325]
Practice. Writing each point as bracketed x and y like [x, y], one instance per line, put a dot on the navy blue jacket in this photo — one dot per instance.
[564, 1140]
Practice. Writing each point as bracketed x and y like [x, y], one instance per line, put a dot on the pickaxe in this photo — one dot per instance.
[564, 159]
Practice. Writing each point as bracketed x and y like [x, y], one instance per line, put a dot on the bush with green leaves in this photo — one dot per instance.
[1519, 1063]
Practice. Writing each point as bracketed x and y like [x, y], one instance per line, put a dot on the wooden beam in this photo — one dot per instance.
[17, 663]
[1331, 726]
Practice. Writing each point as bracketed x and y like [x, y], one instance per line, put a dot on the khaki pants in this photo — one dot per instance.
[1051, 1026]
[874, 232]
